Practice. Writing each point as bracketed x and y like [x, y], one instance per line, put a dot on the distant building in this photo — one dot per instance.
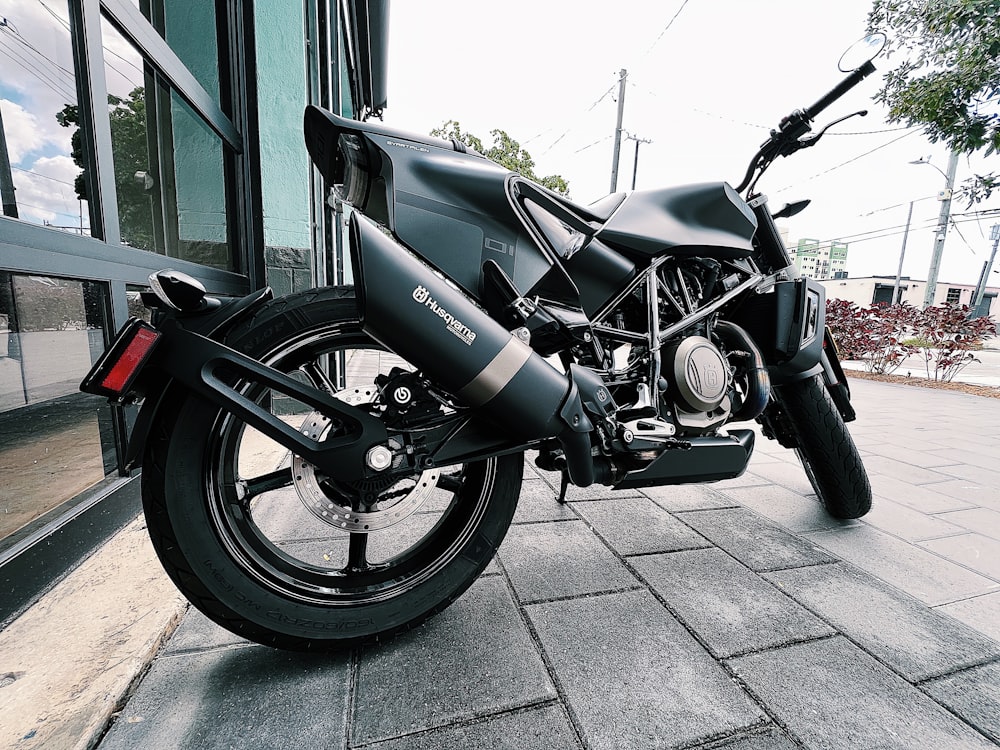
[875, 290]
[821, 260]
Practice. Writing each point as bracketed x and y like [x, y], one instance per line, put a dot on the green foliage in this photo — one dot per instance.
[130, 152]
[505, 151]
[948, 75]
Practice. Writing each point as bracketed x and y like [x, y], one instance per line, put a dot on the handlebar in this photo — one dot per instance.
[840, 89]
[788, 137]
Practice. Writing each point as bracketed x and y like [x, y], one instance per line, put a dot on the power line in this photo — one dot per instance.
[665, 30]
[45, 176]
[41, 75]
[849, 161]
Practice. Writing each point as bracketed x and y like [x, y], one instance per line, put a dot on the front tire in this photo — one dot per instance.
[251, 544]
[825, 448]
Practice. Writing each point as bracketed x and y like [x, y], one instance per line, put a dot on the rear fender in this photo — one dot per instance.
[216, 325]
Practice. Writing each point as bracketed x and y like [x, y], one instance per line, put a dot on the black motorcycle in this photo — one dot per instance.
[333, 467]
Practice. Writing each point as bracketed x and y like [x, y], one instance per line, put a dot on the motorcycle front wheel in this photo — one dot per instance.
[825, 448]
[269, 548]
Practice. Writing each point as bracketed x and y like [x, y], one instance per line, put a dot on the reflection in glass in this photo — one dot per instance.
[189, 27]
[40, 178]
[55, 442]
[169, 165]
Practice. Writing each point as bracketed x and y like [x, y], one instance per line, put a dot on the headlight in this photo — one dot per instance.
[351, 171]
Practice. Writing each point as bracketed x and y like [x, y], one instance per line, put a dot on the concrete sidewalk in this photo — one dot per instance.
[729, 615]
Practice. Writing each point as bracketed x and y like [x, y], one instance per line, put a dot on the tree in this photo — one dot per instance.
[949, 78]
[505, 151]
[130, 155]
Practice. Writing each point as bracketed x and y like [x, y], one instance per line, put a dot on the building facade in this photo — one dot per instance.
[878, 290]
[137, 135]
[821, 260]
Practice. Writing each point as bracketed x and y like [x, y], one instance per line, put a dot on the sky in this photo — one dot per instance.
[707, 79]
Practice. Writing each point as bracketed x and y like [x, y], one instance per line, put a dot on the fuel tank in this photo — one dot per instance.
[704, 219]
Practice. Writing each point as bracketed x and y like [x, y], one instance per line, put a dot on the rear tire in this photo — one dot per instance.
[255, 549]
[825, 448]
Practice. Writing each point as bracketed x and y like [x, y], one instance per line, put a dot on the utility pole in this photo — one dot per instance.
[942, 230]
[902, 252]
[635, 164]
[6, 178]
[622, 76]
[981, 287]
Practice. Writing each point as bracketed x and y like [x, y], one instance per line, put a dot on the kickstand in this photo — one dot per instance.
[563, 486]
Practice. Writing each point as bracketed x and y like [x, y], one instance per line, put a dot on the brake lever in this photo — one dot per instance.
[811, 139]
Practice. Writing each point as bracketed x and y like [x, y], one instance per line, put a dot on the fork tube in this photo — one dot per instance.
[653, 311]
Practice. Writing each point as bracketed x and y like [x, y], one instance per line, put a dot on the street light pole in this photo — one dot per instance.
[942, 230]
[981, 287]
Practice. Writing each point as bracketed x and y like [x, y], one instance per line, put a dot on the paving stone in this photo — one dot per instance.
[975, 551]
[926, 455]
[538, 503]
[907, 472]
[473, 659]
[677, 497]
[906, 523]
[545, 728]
[979, 612]
[773, 739]
[551, 560]
[636, 525]
[980, 475]
[634, 678]
[900, 631]
[235, 698]
[830, 694]
[986, 459]
[926, 499]
[932, 579]
[981, 520]
[974, 695]
[746, 479]
[789, 475]
[792, 510]
[968, 494]
[733, 610]
[197, 633]
[754, 541]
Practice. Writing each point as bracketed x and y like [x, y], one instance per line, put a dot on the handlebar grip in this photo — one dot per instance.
[840, 89]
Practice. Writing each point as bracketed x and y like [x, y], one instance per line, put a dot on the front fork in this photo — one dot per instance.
[774, 258]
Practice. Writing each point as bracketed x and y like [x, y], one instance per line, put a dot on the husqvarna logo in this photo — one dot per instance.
[422, 296]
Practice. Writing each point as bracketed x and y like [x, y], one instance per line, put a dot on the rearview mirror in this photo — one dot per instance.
[862, 51]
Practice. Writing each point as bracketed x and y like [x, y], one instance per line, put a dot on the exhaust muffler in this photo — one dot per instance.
[424, 318]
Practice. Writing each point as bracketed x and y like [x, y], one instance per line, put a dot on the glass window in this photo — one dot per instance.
[40, 147]
[190, 28]
[169, 165]
[55, 442]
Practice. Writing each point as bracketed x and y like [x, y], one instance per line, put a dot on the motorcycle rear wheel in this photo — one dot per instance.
[825, 448]
[240, 544]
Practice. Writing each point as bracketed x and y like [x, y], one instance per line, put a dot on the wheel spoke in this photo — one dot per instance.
[450, 482]
[357, 551]
[265, 483]
[318, 377]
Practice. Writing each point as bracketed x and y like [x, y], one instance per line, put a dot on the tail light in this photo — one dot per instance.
[351, 171]
[116, 371]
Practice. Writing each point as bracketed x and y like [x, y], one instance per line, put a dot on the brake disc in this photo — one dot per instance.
[320, 496]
